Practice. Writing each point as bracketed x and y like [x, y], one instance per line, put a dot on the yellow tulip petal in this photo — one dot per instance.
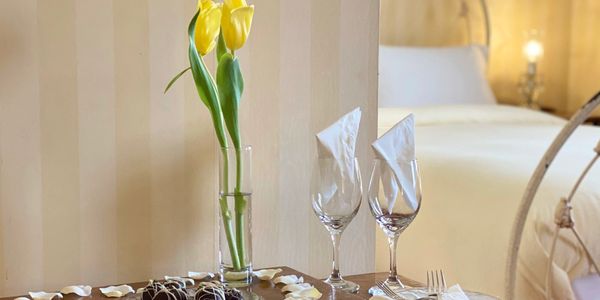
[226, 14]
[207, 29]
[238, 28]
[205, 4]
[233, 4]
[229, 6]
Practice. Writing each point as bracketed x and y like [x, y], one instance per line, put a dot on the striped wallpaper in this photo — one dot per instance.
[103, 179]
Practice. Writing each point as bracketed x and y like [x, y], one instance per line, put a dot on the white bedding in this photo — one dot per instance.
[475, 163]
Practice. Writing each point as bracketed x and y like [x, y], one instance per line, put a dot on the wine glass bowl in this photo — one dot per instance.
[336, 192]
[394, 205]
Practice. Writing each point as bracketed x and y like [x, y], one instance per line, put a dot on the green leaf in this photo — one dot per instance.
[221, 48]
[231, 87]
[175, 79]
[205, 85]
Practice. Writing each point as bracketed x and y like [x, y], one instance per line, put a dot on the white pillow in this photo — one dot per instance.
[412, 76]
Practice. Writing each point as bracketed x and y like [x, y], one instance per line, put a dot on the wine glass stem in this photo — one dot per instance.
[335, 239]
[393, 242]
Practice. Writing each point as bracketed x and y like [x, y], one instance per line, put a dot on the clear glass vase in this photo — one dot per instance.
[235, 216]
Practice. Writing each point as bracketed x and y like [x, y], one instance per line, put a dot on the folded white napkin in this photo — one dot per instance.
[338, 141]
[453, 293]
[396, 148]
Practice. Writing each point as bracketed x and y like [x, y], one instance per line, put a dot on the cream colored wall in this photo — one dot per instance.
[569, 37]
[583, 57]
[103, 179]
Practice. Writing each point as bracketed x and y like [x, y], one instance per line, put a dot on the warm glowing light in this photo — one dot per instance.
[533, 50]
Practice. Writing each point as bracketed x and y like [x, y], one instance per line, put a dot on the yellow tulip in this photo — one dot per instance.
[236, 23]
[206, 4]
[207, 26]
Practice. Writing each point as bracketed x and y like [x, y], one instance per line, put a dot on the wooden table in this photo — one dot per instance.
[267, 290]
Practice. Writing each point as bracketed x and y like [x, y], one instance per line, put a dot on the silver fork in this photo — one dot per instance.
[436, 285]
[388, 291]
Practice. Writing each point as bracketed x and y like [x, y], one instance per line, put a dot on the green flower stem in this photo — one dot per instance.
[239, 219]
[240, 207]
[226, 214]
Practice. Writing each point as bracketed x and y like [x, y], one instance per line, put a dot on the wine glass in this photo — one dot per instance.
[392, 206]
[336, 192]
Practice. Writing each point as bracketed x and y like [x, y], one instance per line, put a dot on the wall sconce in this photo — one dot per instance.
[531, 83]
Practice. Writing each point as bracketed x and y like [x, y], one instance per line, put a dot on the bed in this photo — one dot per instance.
[476, 158]
[476, 161]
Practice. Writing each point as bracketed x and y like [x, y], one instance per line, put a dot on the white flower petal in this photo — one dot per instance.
[117, 291]
[288, 279]
[44, 295]
[186, 281]
[310, 293]
[114, 294]
[79, 290]
[200, 275]
[266, 274]
[291, 288]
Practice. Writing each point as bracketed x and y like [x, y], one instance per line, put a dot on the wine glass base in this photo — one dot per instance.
[395, 283]
[344, 285]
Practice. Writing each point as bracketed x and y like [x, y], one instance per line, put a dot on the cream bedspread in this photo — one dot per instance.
[475, 163]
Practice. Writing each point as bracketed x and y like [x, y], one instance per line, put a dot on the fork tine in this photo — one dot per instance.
[394, 295]
[432, 290]
[443, 281]
[382, 287]
[387, 290]
[437, 281]
[428, 283]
